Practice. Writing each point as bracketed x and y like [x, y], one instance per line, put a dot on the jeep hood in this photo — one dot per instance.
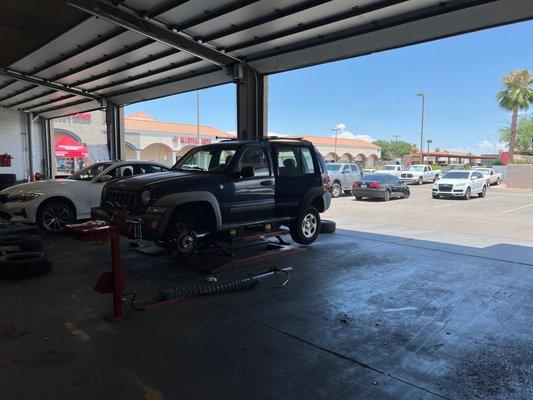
[153, 181]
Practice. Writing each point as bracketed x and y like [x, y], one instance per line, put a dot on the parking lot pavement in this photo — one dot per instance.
[502, 218]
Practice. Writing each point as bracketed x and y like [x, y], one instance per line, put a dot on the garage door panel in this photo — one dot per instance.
[157, 78]
[79, 36]
[30, 92]
[169, 62]
[97, 55]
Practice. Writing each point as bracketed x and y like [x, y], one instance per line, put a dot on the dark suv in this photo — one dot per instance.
[218, 187]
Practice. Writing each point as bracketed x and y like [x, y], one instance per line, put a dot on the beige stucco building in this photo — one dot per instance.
[81, 139]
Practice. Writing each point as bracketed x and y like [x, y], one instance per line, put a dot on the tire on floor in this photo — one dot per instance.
[24, 265]
[327, 226]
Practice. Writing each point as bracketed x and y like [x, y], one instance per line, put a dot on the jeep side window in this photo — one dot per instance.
[307, 159]
[288, 161]
[256, 158]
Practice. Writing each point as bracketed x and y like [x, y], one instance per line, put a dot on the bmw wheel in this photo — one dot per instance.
[52, 217]
[387, 195]
[306, 227]
[407, 193]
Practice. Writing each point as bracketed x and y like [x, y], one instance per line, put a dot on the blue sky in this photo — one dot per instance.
[375, 95]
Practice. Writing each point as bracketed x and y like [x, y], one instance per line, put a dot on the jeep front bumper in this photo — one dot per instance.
[152, 224]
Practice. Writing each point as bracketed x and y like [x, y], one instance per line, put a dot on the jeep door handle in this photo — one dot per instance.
[266, 183]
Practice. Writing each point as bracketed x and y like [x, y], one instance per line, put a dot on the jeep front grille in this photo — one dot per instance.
[119, 199]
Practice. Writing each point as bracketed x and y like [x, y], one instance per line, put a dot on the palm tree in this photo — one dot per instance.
[517, 95]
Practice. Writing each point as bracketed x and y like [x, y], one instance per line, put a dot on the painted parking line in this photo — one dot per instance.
[517, 208]
[457, 202]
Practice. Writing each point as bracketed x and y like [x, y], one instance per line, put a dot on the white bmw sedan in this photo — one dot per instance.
[460, 184]
[54, 203]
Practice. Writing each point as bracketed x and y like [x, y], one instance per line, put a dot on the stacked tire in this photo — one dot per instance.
[22, 256]
[7, 180]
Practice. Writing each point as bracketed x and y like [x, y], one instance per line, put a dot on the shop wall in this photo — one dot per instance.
[13, 141]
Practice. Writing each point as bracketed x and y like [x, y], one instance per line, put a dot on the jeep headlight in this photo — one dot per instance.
[145, 198]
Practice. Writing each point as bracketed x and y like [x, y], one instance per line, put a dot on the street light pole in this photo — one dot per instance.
[336, 130]
[429, 141]
[422, 97]
[396, 137]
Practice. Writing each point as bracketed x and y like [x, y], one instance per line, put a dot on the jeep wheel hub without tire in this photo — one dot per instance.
[309, 225]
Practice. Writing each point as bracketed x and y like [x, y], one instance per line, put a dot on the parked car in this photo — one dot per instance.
[392, 169]
[383, 186]
[342, 177]
[222, 186]
[419, 173]
[54, 203]
[460, 184]
[367, 171]
[493, 178]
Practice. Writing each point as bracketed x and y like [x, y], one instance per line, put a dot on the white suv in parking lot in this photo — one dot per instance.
[460, 184]
[54, 203]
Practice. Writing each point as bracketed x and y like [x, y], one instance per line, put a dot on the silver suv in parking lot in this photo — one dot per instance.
[342, 176]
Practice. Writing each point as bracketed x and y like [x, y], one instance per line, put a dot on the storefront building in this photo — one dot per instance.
[81, 140]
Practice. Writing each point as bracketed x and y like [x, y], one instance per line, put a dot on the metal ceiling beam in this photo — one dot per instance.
[146, 28]
[50, 85]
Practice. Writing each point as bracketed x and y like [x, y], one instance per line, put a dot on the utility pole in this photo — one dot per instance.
[197, 118]
[336, 130]
[422, 98]
[396, 137]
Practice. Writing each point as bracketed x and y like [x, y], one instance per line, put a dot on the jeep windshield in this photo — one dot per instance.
[214, 158]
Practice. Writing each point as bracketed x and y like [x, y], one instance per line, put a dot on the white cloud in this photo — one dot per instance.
[344, 134]
[485, 144]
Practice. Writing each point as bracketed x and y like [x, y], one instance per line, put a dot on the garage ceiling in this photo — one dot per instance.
[82, 57]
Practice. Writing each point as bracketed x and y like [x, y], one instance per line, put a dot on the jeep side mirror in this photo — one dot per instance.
[105, 178]
[247, 172]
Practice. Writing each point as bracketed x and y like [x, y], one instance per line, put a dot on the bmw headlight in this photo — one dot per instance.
[145, 198]
[24, 197]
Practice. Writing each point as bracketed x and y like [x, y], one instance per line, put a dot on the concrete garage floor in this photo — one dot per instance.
[368, 314]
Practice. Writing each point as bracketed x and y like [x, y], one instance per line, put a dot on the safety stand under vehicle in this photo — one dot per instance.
[109, 282]
[222, 252]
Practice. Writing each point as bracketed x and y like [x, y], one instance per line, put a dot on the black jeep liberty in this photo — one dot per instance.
[226, 185]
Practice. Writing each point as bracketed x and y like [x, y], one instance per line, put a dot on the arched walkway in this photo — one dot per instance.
[158, 152]
[330, 157]
[360, 159]
[346, 158]
[181, 152]
[130, 152]
[371, 161]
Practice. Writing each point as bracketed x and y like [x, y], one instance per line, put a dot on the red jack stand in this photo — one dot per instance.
[109, 282]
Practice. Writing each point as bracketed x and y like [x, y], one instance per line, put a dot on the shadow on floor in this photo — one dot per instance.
[364, 316]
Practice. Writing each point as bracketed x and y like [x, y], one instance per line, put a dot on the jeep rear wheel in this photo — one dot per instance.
[306, 227]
